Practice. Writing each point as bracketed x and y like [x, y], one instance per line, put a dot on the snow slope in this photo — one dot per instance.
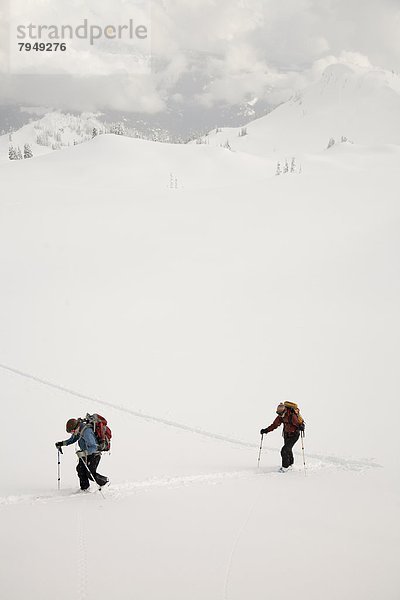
[125, 164]
[361, 105]
[185, 315]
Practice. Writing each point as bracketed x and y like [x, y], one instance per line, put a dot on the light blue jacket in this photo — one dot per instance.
[85, 438]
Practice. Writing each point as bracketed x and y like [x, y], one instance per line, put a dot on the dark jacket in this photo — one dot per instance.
[291, 424]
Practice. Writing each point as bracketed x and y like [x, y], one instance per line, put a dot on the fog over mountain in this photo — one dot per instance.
[208, 60]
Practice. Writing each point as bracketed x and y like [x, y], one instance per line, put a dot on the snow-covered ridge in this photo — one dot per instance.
[357, 105]
[54, 131]
[142, 164]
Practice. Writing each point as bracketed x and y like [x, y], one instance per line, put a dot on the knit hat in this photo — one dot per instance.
[71, 425]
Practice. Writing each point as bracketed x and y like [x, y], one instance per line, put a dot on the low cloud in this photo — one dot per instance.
[210, 51]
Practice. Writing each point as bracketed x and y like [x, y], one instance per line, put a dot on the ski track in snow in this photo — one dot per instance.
[340, 462]
[120, 491]
[82, 570]
[236, 544]
[125, 410]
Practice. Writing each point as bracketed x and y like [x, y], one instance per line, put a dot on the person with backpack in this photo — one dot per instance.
[293, 424]
[89, 454]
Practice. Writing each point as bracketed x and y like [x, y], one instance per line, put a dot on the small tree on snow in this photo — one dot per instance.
[243, 132]
[293, 165]
[278, 169]
[226, 145]
[173, 182]
[286, 167]
[19, 154]
[28, 151]
[95, 132]
[331, 143]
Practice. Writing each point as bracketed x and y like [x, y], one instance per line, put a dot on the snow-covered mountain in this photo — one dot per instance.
[361, 106]
[348, 105]
[53, 131]
[183, 291]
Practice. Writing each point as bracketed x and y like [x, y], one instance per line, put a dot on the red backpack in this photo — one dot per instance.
[101, 431]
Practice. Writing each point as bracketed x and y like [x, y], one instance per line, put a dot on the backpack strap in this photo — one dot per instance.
[82, 428]
[88, 425]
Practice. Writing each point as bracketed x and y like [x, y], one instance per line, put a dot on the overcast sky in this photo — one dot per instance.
[204, 51]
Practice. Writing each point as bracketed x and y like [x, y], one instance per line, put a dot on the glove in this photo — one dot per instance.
[82, 454]
[263, 431]
[59, 444]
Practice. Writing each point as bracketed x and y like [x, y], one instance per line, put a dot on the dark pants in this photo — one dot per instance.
[92, 463]
[286, 452]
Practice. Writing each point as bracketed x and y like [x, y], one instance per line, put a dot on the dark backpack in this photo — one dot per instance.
[292, 406]
[101, 431]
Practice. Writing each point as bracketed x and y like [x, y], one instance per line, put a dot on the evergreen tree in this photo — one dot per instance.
[278, 169]
[293, 165]
[94, 132]
[12, 155]
[286, 167]
[42, 139]
[19, 154]
[118, 128]
[28, 151]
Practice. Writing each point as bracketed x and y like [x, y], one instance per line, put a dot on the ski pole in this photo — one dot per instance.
[259, 454]
[302, 448]
[59, 452]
